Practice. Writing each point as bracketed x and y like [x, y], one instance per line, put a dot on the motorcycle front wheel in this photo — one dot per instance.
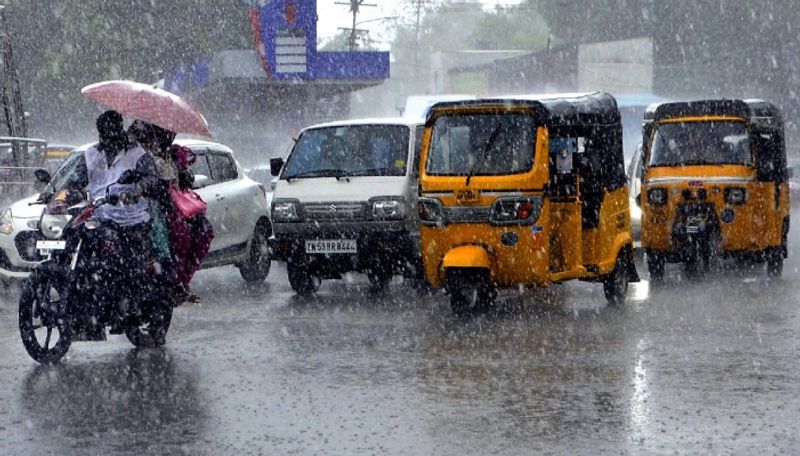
[151, 331]
[43, 324]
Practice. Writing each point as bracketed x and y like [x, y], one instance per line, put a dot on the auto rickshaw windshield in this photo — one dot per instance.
[702, 142]
[482, 145]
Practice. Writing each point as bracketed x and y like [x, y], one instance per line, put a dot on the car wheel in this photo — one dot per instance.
[256, 268]
[301, 280]
[380, 275]
[775, 265]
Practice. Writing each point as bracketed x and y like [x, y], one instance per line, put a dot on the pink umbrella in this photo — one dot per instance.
[151, 104]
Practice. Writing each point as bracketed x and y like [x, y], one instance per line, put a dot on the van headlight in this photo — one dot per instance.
[285, 210]
[735, 195]
[516, 211]
[657, 196]
[6, 222]
[430, 211]
[387, 208]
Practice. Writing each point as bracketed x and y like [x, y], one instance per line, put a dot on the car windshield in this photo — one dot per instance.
[66, 172]
[484, 144]
[693, 143]
[353, 150]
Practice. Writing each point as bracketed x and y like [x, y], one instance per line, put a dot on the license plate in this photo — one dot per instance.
[331, 246]
[46, 247]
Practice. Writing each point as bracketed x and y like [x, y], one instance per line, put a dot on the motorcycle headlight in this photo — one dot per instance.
[387, 208]
[516, 211]
[430, 211]
[6, 222]
[735, 195]
[286, 211]
[657, 196]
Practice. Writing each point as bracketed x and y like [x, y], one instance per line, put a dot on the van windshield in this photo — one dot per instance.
[482, 145]
[353, 150]
[698, 143]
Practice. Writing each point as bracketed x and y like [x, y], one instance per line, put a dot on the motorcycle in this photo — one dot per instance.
[85, 286]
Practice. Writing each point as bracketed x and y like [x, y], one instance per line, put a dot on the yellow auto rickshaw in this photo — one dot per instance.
[715, 185]
[524, 192]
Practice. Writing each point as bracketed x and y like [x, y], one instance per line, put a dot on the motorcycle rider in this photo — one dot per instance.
[104, 163]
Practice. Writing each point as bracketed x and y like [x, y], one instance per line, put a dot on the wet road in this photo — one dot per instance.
[687, 367]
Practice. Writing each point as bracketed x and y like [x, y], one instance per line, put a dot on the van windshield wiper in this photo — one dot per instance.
[477, 165]
[380, 171]
[327, 172]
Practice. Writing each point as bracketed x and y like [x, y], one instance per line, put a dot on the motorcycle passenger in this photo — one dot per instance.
[104, 163]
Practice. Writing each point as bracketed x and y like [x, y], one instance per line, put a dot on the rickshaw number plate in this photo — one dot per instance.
[468, 196]
[45, 247]
[326, 246]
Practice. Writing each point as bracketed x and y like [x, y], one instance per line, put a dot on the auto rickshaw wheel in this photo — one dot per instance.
[615, 284]
[655, 266]
[469, 290]
[775, 265]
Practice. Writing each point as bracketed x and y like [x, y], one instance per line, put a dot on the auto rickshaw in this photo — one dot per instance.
[524, 191]
[715, 185]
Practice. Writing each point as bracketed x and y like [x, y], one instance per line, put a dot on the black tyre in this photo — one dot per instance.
[469, 289]
[152, 332]
[301, 280]
[615, 284]
[692, 262]
[775, 265]
[43, 324]
[256, 268]
[380, 275]
[655, 266]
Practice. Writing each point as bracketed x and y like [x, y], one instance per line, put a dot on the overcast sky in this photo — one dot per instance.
[376, 19]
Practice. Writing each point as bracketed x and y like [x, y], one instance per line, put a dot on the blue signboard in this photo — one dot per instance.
[288, 31]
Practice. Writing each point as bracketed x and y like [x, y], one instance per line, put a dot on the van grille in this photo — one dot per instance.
[334, 211]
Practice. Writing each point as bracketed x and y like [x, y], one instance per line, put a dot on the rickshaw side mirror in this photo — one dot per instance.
[275, 166]
[638, 200]
[42, 175]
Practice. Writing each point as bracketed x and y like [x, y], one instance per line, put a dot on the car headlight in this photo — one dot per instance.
[286, 211]
[430, 211]
[387, 208]
[522, 211]
[6, 222]
[657, 196]
[735, 195]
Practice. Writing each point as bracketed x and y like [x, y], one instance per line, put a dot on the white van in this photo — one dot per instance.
[346, 200]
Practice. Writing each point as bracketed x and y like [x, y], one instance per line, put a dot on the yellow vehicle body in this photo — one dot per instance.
[553, 245]
[754, 225]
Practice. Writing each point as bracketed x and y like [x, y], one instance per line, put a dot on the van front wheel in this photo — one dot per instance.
[302, 281]
[469, 290]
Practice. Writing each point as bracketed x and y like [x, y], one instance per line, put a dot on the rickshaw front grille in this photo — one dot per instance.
[467, 214]
[334, 211]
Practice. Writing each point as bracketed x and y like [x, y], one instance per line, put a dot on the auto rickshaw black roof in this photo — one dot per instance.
[753, 110]
[596, 108]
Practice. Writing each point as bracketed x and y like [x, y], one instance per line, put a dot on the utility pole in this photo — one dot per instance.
[355, 8]
[416, 33]
[11, 97]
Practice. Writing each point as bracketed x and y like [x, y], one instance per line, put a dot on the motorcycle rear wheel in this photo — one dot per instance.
[40, 317]
[152, 331]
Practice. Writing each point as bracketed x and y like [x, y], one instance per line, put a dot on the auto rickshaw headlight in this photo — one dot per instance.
[286, 211]
[735, 195]
[6, 222]
[430, 211]
[388, 208]
[516, 211]
[657, 196]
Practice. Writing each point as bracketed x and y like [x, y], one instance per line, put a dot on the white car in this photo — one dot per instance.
[634, 190]
[237, 210]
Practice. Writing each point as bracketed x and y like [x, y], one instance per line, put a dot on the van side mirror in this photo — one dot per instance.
[42, 175]
[275, 166]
